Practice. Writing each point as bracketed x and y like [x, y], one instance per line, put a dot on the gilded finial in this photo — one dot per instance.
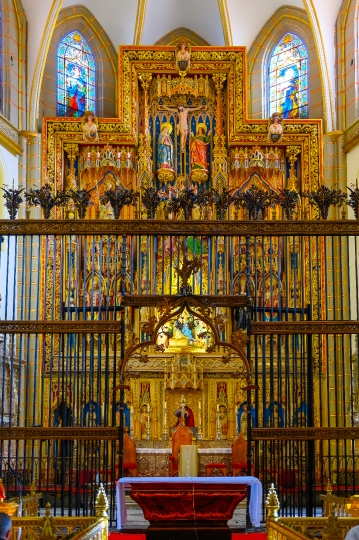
[47, 531]
[272, 503]
[332, 531]
[101, 503]
[33, 487]
[329, 487]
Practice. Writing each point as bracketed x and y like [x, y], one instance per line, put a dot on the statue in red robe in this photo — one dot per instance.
[187, 414]
[198, 148]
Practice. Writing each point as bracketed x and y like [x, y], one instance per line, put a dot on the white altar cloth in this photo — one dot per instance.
[169, 450]
[255, 503]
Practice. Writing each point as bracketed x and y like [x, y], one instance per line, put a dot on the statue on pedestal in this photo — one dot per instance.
[89, 127]
[144, 421]
[275, 128]
[183, 57]
[199, 145]
[223, 420]
[165, 147]
[186, 413]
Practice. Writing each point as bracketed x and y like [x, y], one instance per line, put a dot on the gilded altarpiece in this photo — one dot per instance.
[141, 149]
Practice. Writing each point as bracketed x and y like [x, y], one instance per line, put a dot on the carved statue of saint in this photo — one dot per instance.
[186, 413]
[223, 420]
[182, 126]
[199, 145]
[89, 127]
[144, 419]
[165, 147]
[275, 128]
[91, 416]
[244, 422]
[183, 56]
[94, 293]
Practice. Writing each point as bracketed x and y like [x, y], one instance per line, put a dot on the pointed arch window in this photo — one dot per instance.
[288, 78]
[75, 76]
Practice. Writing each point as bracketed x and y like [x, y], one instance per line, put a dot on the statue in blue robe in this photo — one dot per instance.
[165, 147]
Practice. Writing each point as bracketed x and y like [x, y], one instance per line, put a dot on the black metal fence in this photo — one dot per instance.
[70, 291]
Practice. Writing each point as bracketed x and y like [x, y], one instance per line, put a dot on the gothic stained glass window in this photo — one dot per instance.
[75, 76]
[288, 78]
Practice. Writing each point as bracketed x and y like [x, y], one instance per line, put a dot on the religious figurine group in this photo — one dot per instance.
[199, 141]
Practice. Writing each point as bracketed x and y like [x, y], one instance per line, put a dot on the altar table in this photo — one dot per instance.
[194, 483]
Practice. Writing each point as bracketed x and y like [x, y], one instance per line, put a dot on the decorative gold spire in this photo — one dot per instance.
[332, 531]
[272, 503]
[33, 487]
[101, 503]
[47, 531]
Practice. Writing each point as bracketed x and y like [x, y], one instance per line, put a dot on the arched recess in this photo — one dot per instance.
[285, 19]
[13, 62]
[172, 309]
[173, 37]
[79, 18]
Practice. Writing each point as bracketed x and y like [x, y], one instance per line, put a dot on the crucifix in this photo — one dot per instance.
[182, 125]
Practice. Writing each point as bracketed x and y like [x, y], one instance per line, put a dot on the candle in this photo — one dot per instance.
[218, 407]
[165, 405]
[199, 404]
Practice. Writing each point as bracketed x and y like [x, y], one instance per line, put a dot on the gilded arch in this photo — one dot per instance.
[173, 37]
[172, 308]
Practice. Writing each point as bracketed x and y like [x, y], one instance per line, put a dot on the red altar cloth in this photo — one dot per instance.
[161, 501]
[189, 499]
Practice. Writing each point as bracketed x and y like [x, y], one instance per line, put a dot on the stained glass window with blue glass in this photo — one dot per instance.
[288, 78]
[75, 76]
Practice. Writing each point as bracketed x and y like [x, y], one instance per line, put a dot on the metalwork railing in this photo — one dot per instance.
[281, 298]
[84, 528]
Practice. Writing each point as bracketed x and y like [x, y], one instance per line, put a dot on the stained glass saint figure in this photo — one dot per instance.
[288, 78]
[75, 76]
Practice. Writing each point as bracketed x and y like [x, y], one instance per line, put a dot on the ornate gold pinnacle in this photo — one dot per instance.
[292, 153]
[101, 503]
[332, 530]
[33, 487]
[272, 503]
[47, 530]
